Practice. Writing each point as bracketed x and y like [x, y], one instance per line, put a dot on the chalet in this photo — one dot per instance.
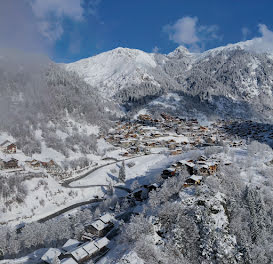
[202, 169]
[189, 165]
[2, 164]
[8, 147]
[10, 163]
[140, 194]
[50, 255]
[49, 164]
[213, 166]
[68, 261]
[34, 164]
[153, 187]
[193, 180]
[169, 172]
[101, 226]
[70, 245]
[172, 146]
[176, 152]
[89, 250]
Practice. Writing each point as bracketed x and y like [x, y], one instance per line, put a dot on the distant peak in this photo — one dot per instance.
[181, 50]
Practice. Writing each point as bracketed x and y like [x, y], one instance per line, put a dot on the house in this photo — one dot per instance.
[101, 226]
[50, 256]
[169, 172]
[193, 180]
[8, 147]
[10, 163]
[140, 194]
[88, 250]
[176, 152]
[79, 254]
[34, 164]
[213, 166]
[70, 244]
[68, 261]
[202, 169]
[2, 164]
[49, 165]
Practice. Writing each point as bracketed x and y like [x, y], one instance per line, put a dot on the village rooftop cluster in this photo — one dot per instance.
[146, 135]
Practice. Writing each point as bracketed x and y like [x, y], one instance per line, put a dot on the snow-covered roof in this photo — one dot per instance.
[90, 247]
[5, 143]
[190, 164]
[68, 261]
[7, 159]
[196, 178]
[106, 218]
[70, 244]
[49, 256]
[170, 169]
[99, 225]
[100, 243]
[79, 253]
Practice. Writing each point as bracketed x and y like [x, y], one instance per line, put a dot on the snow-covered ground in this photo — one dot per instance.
[145, 169]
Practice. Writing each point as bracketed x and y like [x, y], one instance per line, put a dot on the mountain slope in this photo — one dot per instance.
[41, 103]
[238, 74]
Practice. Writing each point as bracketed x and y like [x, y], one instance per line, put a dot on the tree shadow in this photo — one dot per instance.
[112, 177]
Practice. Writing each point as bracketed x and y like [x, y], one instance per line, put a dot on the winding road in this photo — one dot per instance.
[66, 184]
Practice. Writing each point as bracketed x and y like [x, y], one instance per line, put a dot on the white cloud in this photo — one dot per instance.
[261, 44]
[51, 14]
[267, 34]
[59, 8]
[186, 31]
[245, 32]
[155, 49]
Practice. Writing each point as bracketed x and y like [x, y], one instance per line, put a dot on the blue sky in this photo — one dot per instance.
[68, 30]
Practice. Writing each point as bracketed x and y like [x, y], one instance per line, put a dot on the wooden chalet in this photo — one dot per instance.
[50, 255]
[169, 172]
[10, 163]
[8, 147]
[193, 180]
[101, 226]
[89, 250]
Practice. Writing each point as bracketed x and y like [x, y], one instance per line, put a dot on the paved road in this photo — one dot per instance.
[66, 184]
[64, 210]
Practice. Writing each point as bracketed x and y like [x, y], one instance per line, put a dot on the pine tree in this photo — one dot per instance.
[122, 174]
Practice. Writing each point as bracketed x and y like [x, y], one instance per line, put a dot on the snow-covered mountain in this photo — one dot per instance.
[240, 73]
[114, 70]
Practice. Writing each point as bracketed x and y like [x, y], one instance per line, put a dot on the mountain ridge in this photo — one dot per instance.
[236, 72]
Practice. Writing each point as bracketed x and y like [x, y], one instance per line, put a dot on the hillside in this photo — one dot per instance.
[238, 74]
[41, 104]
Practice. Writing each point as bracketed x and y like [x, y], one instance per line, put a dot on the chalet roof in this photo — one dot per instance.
[71, 244]
[50, 254]
[5, 143]
[99, 225]
[196, 178]
[79, 253]
[8, 159]
[170, 169]
[68, 261]
[100, 243]
[90, 247]
[106, 218]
